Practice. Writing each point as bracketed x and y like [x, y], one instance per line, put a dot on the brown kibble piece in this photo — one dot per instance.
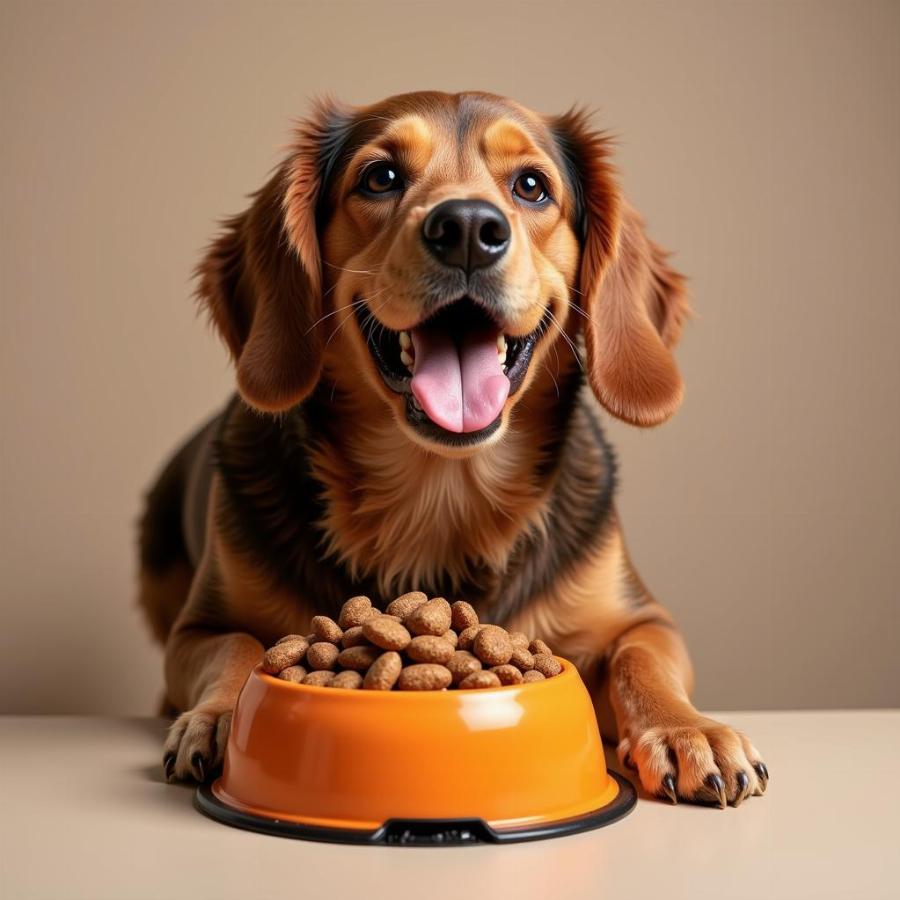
[353, 637]
[492, 646]
[522, 659]
[538, 646]
[326, 629]
[294, 674]
[547, 665]
[424, 677]
[451, 637]
[354, 612]
[288, 637]
[386, 633]
[463, 615]
[358, 658]
[427, 648]
[384, 672]
[482, 679]
[532, 675]
[467, 637]
[348, 680]
[322, 678]
[518, 639]
[281, 656]
[432, 617]
[508, 674]
[405, 604]
[463, 663]
[322, 655]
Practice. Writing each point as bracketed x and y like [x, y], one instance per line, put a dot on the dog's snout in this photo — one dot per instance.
[466, 234]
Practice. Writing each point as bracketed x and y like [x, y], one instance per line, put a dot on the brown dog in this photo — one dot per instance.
[405, 302]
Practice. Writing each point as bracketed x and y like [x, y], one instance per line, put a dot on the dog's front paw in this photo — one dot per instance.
[196, 744]
[702, 761]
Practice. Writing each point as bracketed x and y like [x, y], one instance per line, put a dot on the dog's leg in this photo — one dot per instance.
[677, 752]
[206, 666]
[205, 671]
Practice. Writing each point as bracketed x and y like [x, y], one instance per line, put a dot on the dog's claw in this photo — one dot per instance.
[762, 772]
[629, 762]
[169, 765]
[715, 782]
[743, 782]
[668, 786]
[197, 764]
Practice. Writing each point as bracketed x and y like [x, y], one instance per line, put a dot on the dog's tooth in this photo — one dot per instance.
[405, 358]
[405, 340]
[501, 342]
[502, 356]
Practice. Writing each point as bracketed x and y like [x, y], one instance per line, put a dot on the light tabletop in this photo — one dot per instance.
[86, 813]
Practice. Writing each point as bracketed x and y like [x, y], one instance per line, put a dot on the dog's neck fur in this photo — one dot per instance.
[409, 517]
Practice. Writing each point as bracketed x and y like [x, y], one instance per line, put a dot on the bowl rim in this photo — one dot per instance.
[568, 672]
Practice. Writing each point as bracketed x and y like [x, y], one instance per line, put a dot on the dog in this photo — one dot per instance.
[427, 306]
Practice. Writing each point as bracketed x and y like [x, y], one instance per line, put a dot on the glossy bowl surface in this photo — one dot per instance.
[514, 757]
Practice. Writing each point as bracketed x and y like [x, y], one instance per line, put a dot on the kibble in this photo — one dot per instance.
[386, 632]
[492, 646]
[508, 674]
[479, 679]
[424, 677]
[405, 604]
[348, 680]
[547, 665]
[432, 617]
[295, 674]
[467, 636]
[427, 648]
[417, 644]
[384, 672]
[353, 637]
[461, 664]
[355, 611]
[322, 655]
[281, 656]
[463, 615]
[326, 629]
[358, 658]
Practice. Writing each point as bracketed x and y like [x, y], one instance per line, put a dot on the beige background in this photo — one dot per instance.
[761, 140]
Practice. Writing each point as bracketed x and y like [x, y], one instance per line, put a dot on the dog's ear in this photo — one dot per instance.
[261, 280]
[634, 302]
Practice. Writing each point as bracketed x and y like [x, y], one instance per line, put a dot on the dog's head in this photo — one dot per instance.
[437, 247]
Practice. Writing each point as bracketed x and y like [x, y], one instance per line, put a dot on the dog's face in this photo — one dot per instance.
[450, 240]
[446, 244]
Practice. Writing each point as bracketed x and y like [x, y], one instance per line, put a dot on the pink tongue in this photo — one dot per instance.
[460, 388]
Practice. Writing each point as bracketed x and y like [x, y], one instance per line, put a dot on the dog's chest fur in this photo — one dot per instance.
[331, 514]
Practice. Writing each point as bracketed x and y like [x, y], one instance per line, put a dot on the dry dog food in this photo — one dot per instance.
[416, 644]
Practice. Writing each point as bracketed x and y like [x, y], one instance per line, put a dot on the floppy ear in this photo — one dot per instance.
[261, 280]
[635, 303]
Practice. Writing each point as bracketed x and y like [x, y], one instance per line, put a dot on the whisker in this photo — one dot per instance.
[352, 271]
[334, 312]
[567, 339]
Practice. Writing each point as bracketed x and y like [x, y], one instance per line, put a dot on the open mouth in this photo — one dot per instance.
[455, 369]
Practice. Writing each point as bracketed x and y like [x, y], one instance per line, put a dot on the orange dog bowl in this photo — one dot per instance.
[503, 764]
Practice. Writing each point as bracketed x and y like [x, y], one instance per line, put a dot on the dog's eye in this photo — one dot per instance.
[381, 178]
[529, 186]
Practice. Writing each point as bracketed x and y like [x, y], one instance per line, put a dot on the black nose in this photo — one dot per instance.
[468, 234]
